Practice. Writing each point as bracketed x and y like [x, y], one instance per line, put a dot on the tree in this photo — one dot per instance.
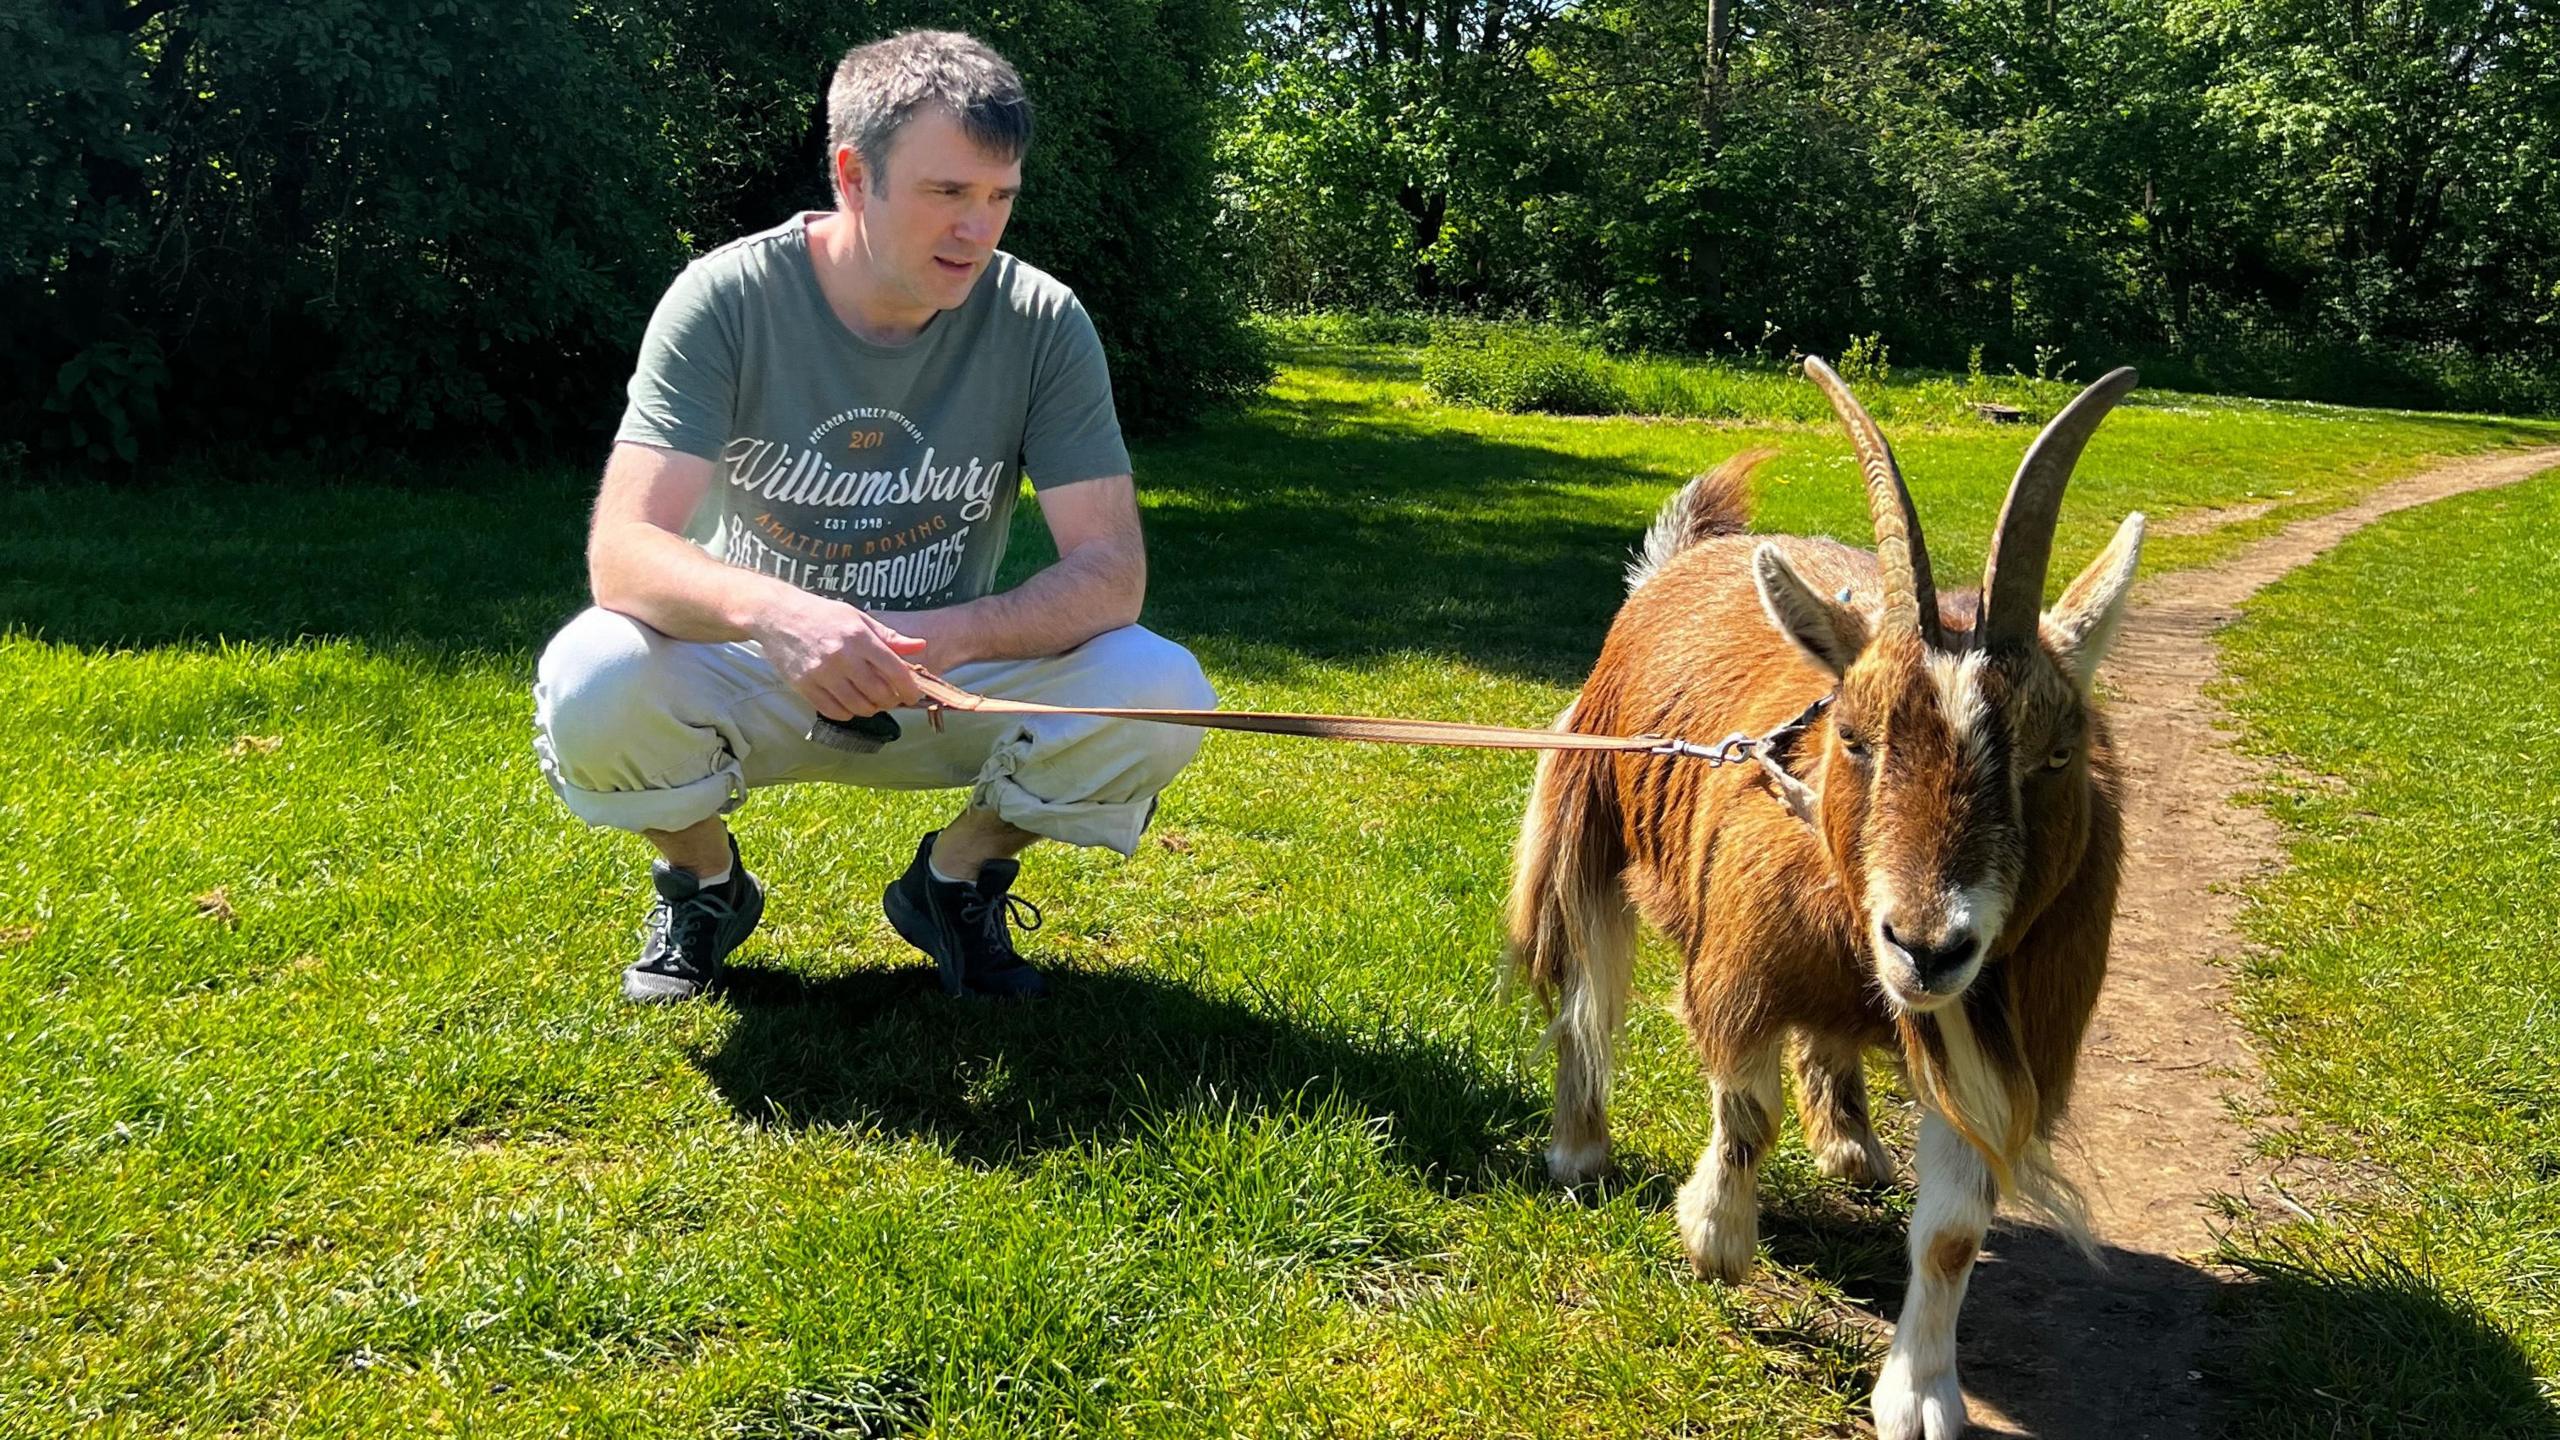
[2306, 193]
[425, 224]
[1407, 128]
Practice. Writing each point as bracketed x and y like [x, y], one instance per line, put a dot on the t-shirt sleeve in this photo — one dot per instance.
[1071, 432]
[684, 390]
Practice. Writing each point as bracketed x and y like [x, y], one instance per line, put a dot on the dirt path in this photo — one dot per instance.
[2050, 1348]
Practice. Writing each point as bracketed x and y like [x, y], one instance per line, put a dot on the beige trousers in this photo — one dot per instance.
[638, 731]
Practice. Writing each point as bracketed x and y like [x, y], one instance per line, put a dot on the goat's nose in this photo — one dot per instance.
[1935, 961]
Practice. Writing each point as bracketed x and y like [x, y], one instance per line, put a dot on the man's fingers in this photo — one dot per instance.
[890, 681]
[860, 684]
[900, 643]
[864, 673]
[834, 695]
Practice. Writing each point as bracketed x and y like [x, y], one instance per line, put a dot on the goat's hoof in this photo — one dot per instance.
[1909, 1407]
[1866, 1166]
[1719, 1264]
[1576, 1164]
[1719, 1231]
[1715, 1269]
[1720, 1254]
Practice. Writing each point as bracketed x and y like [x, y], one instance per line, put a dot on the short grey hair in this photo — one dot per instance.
[879, 86]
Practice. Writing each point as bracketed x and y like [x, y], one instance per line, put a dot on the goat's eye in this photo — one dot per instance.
[2060, 757]
[1854, 743]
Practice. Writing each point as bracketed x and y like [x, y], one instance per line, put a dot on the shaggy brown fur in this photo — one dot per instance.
[1770, 913]
[1965, 782]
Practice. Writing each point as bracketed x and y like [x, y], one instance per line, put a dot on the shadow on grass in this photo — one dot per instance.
[1106, 1054]
[1322, 531]
[2060, 1348]
[2361, 1345]
[2149, 1345]
[480, 568]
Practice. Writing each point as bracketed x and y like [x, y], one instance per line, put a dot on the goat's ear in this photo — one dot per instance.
[1830, 632]
[2083, 623]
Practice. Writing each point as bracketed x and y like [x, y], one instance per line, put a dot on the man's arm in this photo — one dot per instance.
[1099, 583]
[639, 564]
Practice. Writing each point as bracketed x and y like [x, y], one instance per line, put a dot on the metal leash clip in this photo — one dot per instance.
[1731, 750]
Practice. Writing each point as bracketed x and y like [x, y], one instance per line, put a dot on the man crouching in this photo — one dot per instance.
[840, 410]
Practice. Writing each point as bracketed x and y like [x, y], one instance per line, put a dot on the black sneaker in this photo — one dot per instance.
[966, 928]
[690, 931]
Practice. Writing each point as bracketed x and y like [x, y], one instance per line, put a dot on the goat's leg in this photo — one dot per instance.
[1831, 1100]
[1589, 1014]
[1719, 1209]
[1918, 1397]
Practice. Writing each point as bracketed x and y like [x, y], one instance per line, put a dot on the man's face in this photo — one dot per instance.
[931, 219]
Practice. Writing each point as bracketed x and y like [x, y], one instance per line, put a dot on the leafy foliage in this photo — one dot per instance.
[428, 223]
[2352, 200]
[1518, 368]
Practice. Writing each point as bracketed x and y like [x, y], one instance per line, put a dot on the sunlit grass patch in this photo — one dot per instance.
[327, 1119]
[2406, 997]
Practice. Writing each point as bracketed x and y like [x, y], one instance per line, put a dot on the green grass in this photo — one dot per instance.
[1520, 368]
[2407, 1001]
[325, 1118]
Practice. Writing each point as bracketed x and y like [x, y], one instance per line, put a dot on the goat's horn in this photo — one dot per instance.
[1910, 600]
[2022, 543]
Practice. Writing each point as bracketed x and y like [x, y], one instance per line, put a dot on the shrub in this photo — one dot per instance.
[1866, 361]
[1517, 368]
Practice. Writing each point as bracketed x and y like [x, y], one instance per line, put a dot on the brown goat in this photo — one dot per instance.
[1931, 868]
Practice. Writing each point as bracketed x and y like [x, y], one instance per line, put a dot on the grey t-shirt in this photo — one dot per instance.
[883, 476]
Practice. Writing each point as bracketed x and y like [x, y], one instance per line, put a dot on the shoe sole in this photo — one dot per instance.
[647, 987]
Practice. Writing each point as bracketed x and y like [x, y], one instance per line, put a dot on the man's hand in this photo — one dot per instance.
[840, 659]
[947, 635]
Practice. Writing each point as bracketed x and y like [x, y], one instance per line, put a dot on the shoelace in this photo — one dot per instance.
[990, 918]
[701, 913]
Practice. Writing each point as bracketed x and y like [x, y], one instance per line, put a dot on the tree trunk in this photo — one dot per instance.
[1428, 211]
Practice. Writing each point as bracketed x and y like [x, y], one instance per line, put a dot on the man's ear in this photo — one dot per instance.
[1830, 633]
[852, 177]
[2083, 623]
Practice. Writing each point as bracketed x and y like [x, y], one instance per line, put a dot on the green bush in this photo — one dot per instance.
[339, 224]
[2278, 365]
[2123, 179]
[1518, 368]
[357, 225]
[1866, 360]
